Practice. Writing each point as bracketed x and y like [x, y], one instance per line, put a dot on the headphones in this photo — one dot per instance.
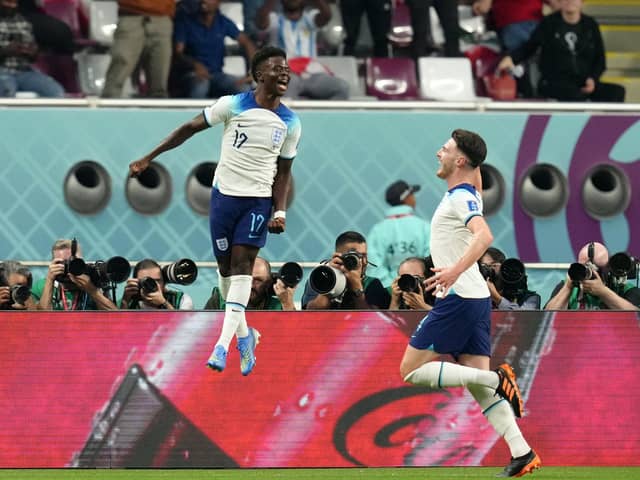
[591, 251]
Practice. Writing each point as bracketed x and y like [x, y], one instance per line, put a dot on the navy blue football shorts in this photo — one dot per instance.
[456, 325]
[237, 221]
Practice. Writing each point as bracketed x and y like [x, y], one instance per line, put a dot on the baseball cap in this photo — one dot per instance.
[398, 191]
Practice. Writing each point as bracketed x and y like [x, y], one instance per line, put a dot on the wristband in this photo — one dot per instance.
[279, 214]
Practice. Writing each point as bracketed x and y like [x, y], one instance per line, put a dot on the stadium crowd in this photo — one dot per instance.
[181, 46]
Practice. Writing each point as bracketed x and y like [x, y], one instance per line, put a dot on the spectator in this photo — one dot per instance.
[407, 289]
[249, 12]
[572, 57]
[592, 293]
[294, 30]
[379, 18]
[399, 235]
[362, 292]
[15, 287]
[421, 24]
[199, 46]
[50, 33]
[507, 282]
[143, 35]
[267, 293]
[64, 291]
[147, 290]
[18, 51]
[514, 22]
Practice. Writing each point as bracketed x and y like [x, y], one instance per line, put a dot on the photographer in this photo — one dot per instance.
[587, 289]
[407, 289]
[147, 290]
[62, 290]
[268, 291]
[507, 282]
[15, 287]
[360, 292]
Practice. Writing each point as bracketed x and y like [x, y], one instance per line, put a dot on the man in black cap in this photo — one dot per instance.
[400, 235]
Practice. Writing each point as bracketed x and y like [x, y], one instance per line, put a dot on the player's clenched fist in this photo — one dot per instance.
[276, 225]
[138, 166]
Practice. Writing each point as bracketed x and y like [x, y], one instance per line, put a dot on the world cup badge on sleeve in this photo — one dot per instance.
[277, 136]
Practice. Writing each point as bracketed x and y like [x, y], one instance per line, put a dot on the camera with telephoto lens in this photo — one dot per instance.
[147, 285]
[622, 267]
[579, 272]
[409, 283]
[512, 279]
[102, 273]
[72, 265]
[290, 273]
[351, 259]
[487, 272]
[328, 280]
[182, 272]
[20, 293]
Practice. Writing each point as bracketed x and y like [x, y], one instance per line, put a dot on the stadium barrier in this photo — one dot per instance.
[124, 389]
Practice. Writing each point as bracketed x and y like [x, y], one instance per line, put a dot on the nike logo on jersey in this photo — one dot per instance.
[242, 126]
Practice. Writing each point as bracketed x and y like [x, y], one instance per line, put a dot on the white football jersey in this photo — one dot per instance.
[450, 238]
[297, 38]
[253, 139]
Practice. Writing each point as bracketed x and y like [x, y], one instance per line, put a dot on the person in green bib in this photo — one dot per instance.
[360, 291]
[147, 290]
[267, 293]
[61, 290]
[594, 291]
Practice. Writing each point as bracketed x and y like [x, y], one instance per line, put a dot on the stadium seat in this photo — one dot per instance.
[92, 69]
[447, 79]
[235, 65]
[484, 61]
[391, 78]
[345, 67]
[62, 68]
[233, 10]
[103, 20]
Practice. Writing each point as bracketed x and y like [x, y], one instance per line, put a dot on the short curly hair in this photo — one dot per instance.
[264, 54]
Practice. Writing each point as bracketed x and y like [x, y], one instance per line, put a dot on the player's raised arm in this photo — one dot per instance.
[175, 138]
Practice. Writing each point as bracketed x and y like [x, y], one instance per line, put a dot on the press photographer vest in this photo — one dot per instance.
[216, 302]
[590, 302]
[82, 300]
[173, 297]
[348, 299]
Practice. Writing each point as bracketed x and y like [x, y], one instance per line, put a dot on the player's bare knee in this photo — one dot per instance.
[405, 370]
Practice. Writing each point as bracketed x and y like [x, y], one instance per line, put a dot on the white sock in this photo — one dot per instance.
[236, 303]
[500, 415]
[223, 285]
[447, 374]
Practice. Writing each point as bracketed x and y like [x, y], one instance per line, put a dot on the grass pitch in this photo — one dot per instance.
[407, 473]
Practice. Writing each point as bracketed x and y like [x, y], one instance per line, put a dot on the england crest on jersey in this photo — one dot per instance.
[222, 243]
[277, 136]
